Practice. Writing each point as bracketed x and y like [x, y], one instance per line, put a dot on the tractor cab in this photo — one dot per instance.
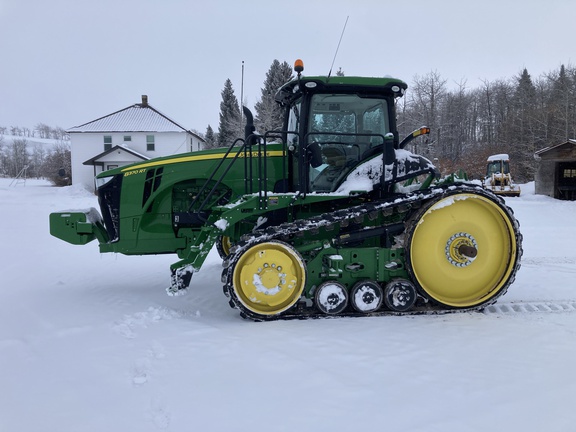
[498, 164]
[342, 130]
[333, 124]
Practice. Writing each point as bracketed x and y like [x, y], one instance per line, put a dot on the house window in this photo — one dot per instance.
[150, 143]
[107, 142]
[127, 138]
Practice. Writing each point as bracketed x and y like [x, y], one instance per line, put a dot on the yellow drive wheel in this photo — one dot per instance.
[223, 246]
[269, 278]
[463, 250]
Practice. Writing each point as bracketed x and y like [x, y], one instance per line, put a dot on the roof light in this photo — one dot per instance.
[298, 66]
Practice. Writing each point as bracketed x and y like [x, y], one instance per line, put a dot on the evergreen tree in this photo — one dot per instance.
[269, 115]
[523, 127]
[210, 137]
[561, 106]
[230, 120]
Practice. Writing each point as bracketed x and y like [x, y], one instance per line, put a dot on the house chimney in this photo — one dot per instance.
[144, 101]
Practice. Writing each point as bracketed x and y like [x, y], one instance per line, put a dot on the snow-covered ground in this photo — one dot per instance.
[91, 342]
[47, 143]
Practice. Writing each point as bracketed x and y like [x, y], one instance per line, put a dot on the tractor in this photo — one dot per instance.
[328, 216]
[498, 178]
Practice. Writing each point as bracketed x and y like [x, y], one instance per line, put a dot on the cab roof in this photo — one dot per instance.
[340, 84]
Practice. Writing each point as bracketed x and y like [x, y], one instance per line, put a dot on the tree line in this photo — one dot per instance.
[518, 116]
[41, 130]
[19, 156]
[18, 159]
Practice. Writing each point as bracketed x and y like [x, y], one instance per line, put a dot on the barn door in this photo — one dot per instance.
[566, 186]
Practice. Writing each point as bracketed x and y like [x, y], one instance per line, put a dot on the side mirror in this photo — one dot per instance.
[424, 130]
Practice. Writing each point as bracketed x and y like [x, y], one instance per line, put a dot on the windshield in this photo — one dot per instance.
[346, 129]
[498, 167]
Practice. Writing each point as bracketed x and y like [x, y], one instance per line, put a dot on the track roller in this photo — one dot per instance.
[366, 296]
[331, 297]
[400, 295]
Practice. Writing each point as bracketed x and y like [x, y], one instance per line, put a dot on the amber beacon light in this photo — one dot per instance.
[298, 66]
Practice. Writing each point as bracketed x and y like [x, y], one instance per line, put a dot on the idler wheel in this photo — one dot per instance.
[268, 278]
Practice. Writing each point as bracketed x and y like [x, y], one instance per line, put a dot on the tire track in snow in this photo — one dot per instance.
[546, 306]
[561, 264]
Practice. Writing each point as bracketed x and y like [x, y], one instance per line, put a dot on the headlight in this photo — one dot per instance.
[101, 181]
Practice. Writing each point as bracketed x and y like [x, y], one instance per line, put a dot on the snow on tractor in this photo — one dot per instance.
[498, 178]
[329, 216]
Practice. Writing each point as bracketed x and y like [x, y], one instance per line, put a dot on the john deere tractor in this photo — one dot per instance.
[331, 215]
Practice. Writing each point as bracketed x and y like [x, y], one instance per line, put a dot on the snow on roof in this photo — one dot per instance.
[112, 150]
[140, 117]
[497, 157]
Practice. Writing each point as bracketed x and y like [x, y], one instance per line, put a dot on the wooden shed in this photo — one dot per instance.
[556, 173]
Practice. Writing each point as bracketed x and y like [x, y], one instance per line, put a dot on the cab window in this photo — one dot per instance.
[345, 130]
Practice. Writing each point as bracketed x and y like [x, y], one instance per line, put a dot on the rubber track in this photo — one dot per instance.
[402, 204]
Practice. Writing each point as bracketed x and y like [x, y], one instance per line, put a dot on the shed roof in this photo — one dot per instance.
[140, 117]
[566, 150]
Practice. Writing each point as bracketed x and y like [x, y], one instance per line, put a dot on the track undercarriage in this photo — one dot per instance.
[447, 249]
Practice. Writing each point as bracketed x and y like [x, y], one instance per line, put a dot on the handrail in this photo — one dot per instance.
[219, 181]
[262, 168]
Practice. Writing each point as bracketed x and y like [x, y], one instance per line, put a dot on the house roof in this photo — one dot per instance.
[140, 117]
[93, 160]
[565, 150]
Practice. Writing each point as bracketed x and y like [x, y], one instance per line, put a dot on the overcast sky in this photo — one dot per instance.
[68, 62]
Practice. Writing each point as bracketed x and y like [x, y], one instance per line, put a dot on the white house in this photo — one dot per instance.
[135, 133]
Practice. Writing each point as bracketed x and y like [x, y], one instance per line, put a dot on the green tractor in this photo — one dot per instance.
[329, 216]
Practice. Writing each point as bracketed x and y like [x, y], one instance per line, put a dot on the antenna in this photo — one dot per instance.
[242, 96]
[338, 47]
